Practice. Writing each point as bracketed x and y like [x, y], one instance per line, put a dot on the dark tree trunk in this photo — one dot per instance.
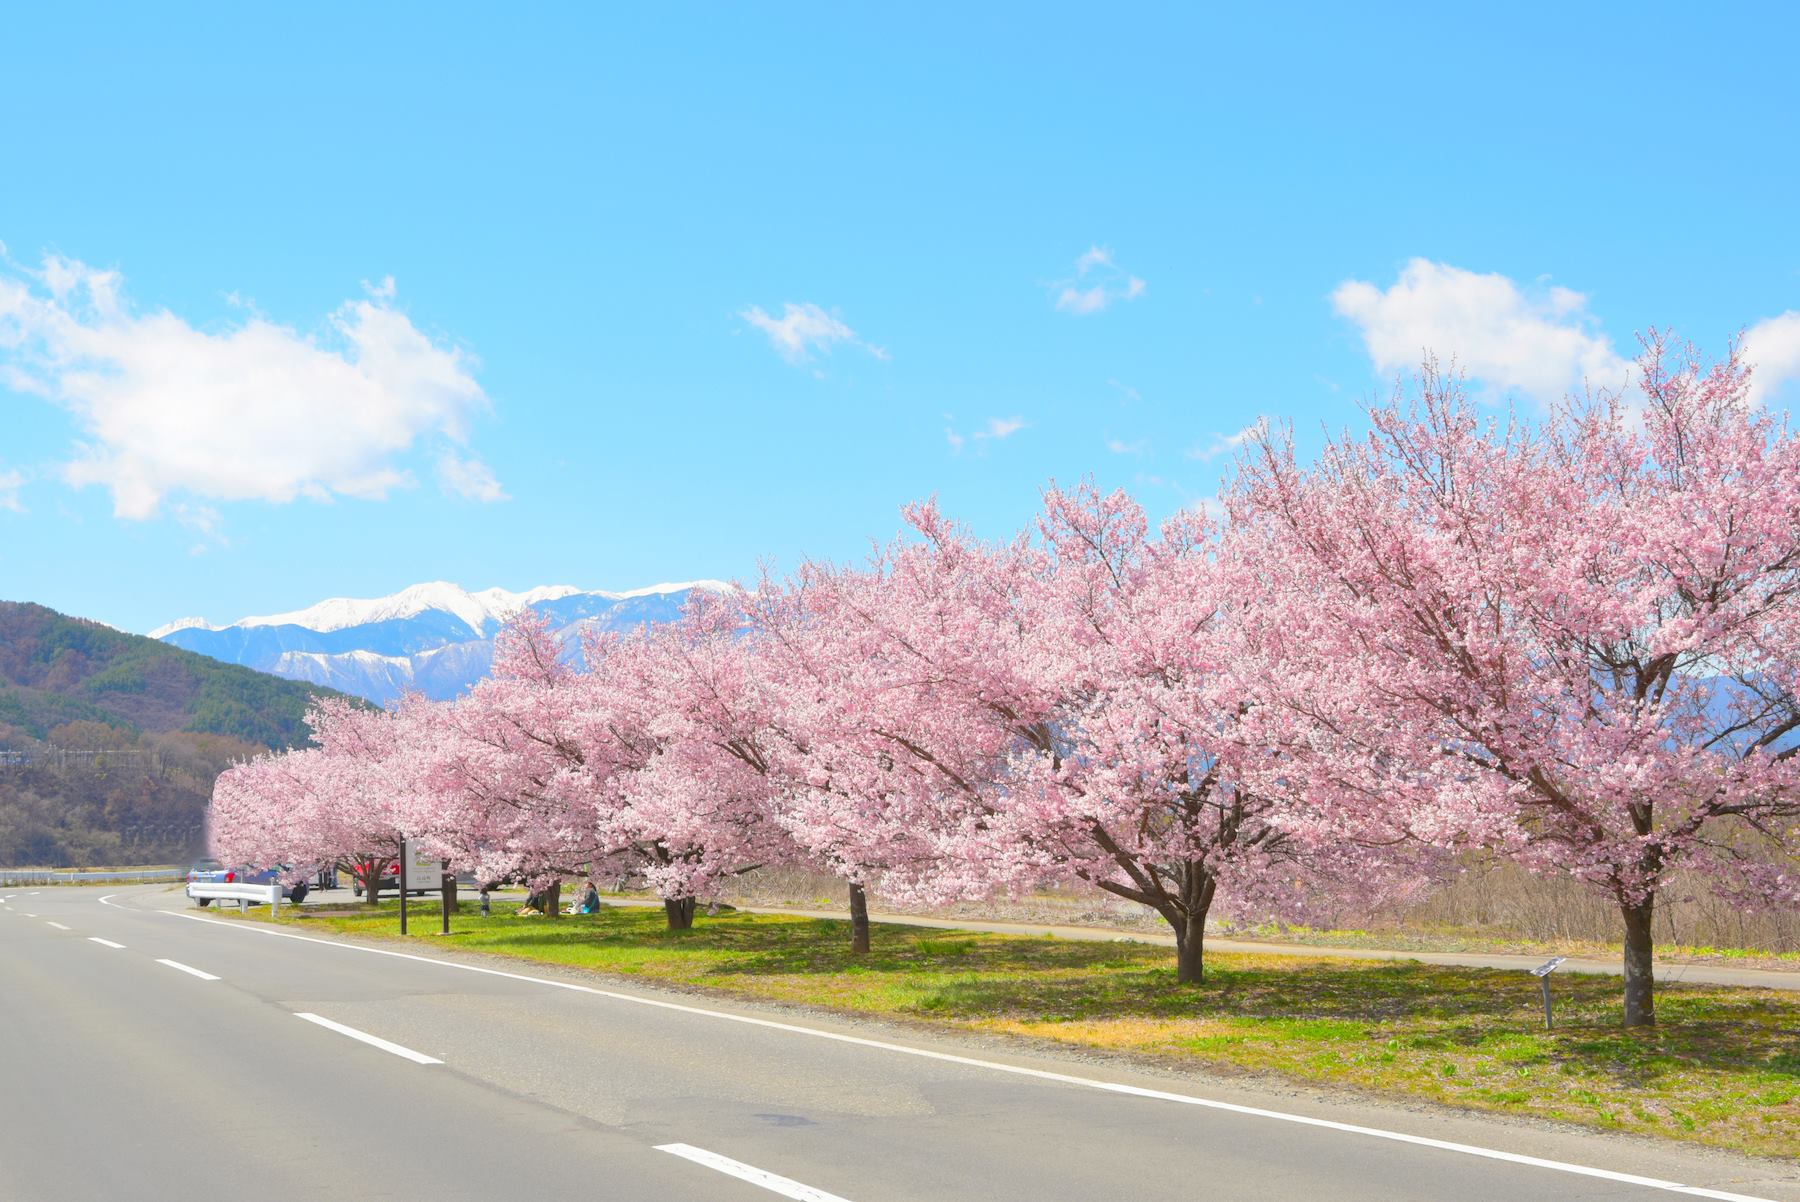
[680, 913]
[1640, 975]
[371, 882]
[859, 920]
[1195, 888]
[553, 900]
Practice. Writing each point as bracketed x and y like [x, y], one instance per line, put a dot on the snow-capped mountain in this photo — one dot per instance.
[436, 639]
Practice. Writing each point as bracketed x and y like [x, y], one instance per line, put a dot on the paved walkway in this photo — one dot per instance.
[1667, 972]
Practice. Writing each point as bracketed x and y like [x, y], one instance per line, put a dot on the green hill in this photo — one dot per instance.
[109, 742]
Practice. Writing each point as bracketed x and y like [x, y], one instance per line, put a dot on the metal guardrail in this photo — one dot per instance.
[267, 895]
[46, 876]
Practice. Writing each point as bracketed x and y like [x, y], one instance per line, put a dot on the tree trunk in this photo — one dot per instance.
[371, 880]
[1640, 975]
[859, 920]
[1196, 888]
[553, 900]
[680, 913]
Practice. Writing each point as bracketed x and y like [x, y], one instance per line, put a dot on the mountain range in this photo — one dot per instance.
[436, 639]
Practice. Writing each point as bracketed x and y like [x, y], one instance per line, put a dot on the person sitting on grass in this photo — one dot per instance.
[590, 901]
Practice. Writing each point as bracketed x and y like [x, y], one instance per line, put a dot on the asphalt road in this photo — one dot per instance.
[150, 1052]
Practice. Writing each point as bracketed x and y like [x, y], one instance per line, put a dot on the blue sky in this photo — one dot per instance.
[309, 304]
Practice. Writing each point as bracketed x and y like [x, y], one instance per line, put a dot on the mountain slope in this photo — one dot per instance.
[435, 638]
[109, 742]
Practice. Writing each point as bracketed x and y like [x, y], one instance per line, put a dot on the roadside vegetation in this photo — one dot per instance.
[1724, 1072]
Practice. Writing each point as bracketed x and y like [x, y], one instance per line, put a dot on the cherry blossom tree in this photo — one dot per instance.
[682, 706]
[338, 803]
[1068, 696]
[521, 781]
[1570, 641]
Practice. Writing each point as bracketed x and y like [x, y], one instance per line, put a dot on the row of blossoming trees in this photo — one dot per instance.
[1572, 642]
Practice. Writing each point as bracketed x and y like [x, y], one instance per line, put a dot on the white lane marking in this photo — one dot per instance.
[59, 926]
[1560, 1166]
[371, 1040]
[28, 913]
[105, 942]
[784, 1186]
[178, 966]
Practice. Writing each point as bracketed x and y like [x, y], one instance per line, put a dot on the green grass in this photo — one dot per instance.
[1722, 1069]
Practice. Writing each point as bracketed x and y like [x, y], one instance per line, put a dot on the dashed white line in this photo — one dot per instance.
[59, 926]
[178, 966]
[1400, 1137]
[772, 1182]
[372, 1040]
[28, 913]
[105, 942]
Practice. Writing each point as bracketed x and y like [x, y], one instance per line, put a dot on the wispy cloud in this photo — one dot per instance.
[1098, 282]
[10, 484]
[251, 411]
[804, 329]
[469, 479]
[1223, 443]
[1121, 447]
[1541, 341]
[996, 429]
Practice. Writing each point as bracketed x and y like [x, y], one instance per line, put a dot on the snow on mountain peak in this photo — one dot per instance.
[182, 624]
[475, 609]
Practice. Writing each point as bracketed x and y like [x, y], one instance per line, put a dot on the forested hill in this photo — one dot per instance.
[109, 742]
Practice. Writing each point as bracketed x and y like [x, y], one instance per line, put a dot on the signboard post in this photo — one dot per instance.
[446, 887]
[405, 855]
[1542, 973]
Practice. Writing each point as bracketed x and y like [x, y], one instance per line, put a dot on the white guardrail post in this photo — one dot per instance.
[268, 895]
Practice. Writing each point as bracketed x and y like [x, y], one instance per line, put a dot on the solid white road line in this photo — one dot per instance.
[1560, 1166]
[59, 926]
[749, 1172]
[371, 1040]
[28, 913]
[105, 942]
[178, 966]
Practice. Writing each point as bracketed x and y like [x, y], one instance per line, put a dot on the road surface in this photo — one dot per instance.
[153, 1052]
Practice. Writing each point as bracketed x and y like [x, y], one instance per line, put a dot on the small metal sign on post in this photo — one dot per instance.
[1542, 973]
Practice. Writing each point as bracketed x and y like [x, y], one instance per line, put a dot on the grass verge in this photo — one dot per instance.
[1723, 1068]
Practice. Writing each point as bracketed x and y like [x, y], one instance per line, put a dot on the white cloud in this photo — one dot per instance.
[996, 429]
[1098, 282]
[1772, 347]
[1221, 443]
[803, 329]
[470, 479]
[10, 484]
[1542, 343]
[1119, 446]
[251, 411]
